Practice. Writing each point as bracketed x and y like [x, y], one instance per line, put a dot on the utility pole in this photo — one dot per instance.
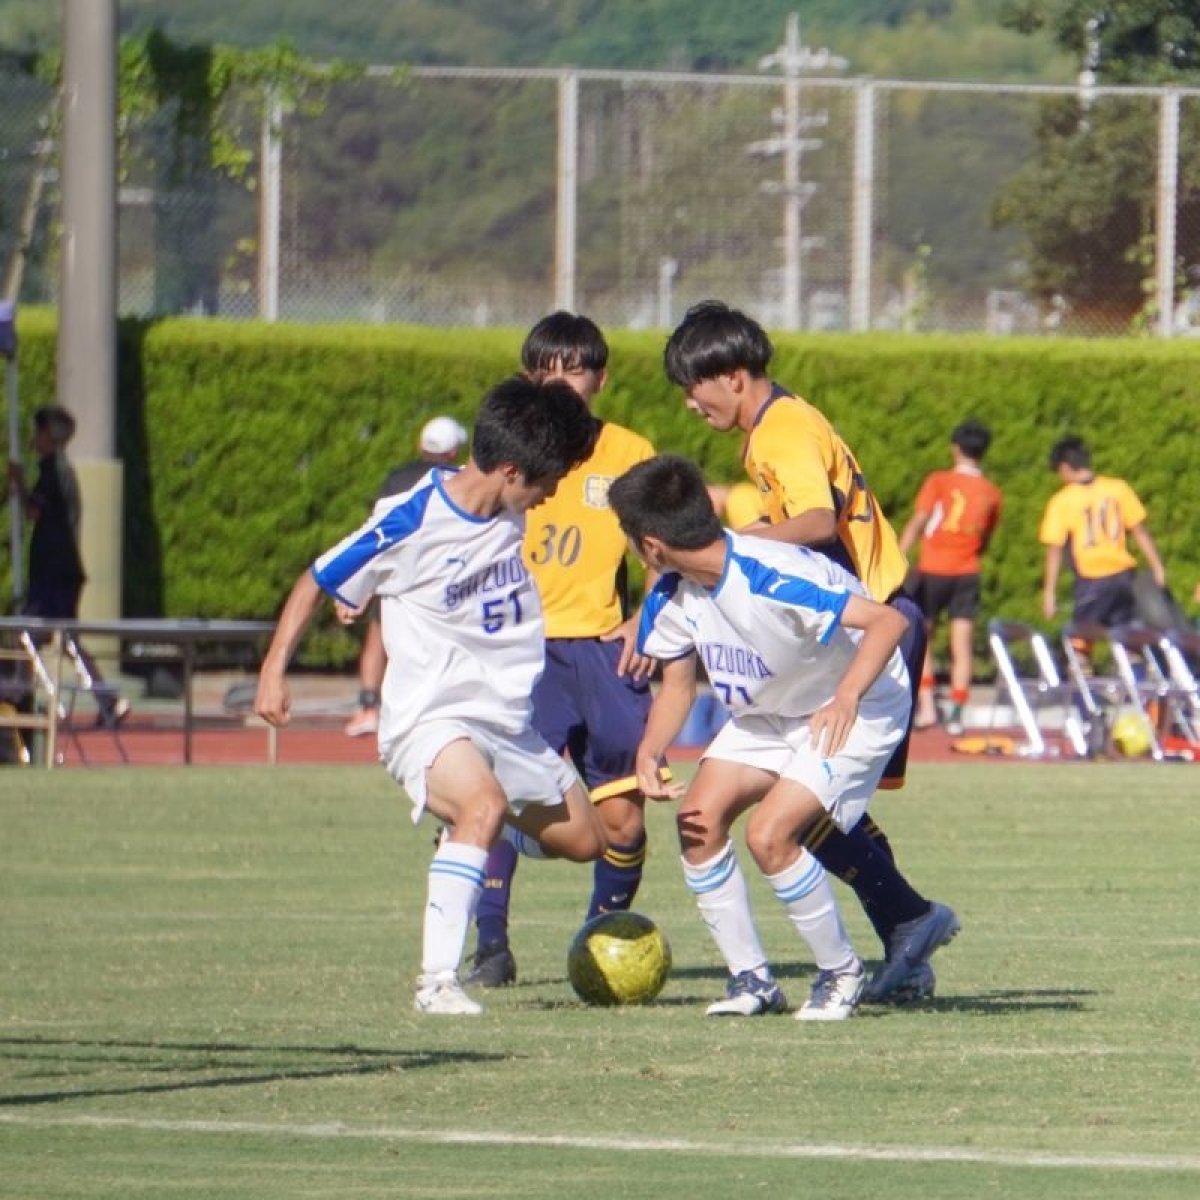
[794, 58]
[87, 311]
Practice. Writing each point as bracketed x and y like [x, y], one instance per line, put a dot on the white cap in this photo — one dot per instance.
[442, 435]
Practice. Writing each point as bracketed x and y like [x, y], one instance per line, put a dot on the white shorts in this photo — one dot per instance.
[529, 772]
[844, 784]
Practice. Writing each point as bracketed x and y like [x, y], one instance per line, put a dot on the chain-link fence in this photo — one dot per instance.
[486, 197]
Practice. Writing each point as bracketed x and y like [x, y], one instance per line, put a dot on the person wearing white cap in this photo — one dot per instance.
[440, 442]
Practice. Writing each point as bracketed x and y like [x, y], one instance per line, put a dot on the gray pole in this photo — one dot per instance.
[270, 204]
[1168, 192]
[568, 169]
[87, 301]
[862, 211]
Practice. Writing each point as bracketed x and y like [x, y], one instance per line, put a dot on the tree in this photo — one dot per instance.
[1086, 200]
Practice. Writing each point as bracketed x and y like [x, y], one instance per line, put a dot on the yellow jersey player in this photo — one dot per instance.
[814, 494]
[1086, 522]
[593, 697]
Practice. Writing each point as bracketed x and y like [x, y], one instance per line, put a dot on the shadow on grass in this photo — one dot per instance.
[66, 1052]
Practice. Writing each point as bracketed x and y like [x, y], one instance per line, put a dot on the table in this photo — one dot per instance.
[185, 632]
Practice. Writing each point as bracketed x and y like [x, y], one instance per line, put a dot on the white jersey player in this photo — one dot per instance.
[463, 631]
[808, 665]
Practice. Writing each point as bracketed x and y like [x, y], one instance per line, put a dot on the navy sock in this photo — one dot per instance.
[616, 878]
[491, 917]
[868, 826]
[858, 860]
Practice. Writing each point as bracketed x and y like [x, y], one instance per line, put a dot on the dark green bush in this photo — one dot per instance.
[249, 448]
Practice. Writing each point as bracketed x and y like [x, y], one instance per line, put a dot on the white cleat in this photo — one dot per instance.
[835, 995]
[441, 995]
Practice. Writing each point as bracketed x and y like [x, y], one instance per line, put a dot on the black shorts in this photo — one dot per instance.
[1107, 601]
[957, 595]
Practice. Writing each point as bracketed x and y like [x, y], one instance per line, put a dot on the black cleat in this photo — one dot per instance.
[494, 967]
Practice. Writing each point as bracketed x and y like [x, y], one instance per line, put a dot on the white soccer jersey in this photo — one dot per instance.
[462, 622]
[769, 634]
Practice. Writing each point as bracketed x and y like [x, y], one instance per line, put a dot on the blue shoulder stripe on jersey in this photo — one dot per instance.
[790, 589]
[394, 526]
[657, 599]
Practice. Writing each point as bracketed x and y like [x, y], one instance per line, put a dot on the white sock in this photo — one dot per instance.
[455, 883]
[805, 891]
[525, 845]
[724, 903]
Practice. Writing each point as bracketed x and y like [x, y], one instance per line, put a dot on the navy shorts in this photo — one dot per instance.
[912, 649]
[581, 705]
[957, 595]
[1107, 601]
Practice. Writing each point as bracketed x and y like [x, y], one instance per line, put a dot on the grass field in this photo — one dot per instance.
[207, 983]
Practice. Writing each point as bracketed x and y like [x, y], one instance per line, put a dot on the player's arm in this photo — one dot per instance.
[1054, 558]
[631, 663]
[273, 699]
[882, 627]
[1149, 550]
[815, 527]
[913, 530]
[667, 716]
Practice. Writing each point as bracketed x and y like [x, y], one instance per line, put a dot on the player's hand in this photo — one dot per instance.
[273, 701]
[830, 725]
[346, 614]
[1160, 575]
[651, 783]
[1049, 607]
[636, 666]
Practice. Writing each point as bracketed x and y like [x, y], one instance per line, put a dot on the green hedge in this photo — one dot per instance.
[250, 448]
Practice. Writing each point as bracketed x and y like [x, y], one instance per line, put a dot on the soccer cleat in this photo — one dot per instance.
[919, 984]
[440, 995]
[365, 721]
[834, 994]
[912, 944]
[954, 721]
[749, 995]
[494, 966]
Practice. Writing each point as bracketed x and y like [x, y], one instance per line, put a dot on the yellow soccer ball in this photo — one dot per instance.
[619, 958]
[1131, 735]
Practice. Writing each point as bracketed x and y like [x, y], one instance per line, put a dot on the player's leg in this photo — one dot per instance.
[910, 926]
[721, 791]
[964, 604]
[803, 888]
[924, 597]
[459, 788]
[614, 709]
[555, 718]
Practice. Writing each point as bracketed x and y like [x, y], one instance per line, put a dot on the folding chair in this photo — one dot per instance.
[1180, 649]
[1016, 647]
[1142, 659]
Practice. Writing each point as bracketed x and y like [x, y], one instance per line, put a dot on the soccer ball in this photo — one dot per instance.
[619, 958]
[1131, 735]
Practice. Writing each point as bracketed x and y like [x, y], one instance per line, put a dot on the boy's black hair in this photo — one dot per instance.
[55, 420]
[567, 339]
[973, 438]
[1070, 451]
[714, 339]
[543, 429]
[665, 497]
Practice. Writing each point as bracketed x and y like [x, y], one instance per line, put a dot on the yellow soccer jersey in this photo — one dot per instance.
[1091, 520]
[574, 545]
[798, 462]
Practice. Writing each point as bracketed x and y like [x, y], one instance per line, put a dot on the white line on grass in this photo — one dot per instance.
[637, 1145]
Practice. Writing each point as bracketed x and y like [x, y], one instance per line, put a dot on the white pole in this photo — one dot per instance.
[270, 208]
[568, 175]
[863, 208]
[1168, 185]
[791, 176]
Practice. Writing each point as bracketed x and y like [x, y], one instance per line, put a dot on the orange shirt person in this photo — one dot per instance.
[955, 516]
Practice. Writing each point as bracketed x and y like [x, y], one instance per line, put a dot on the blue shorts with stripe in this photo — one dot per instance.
[581, 705]
[912, 649]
